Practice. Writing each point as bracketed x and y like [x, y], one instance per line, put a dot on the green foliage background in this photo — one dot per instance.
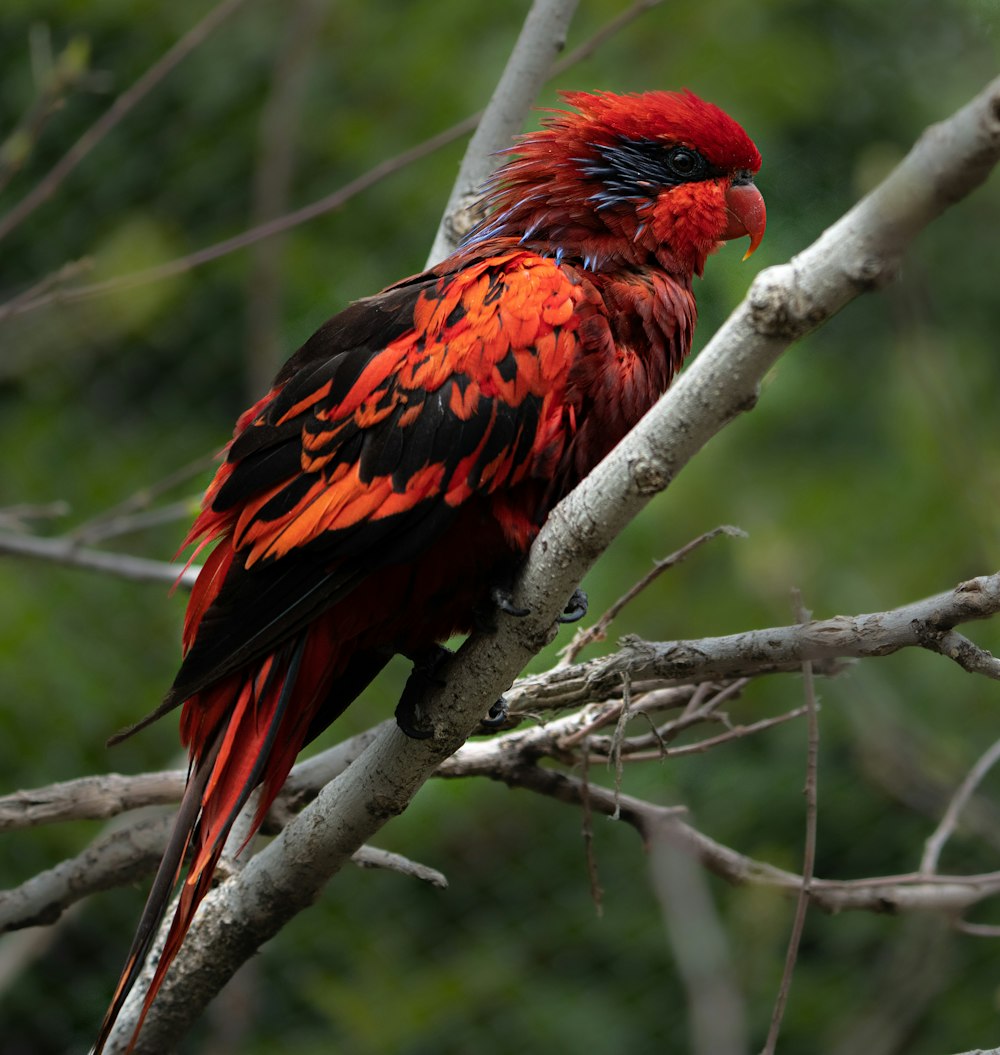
[866, 477]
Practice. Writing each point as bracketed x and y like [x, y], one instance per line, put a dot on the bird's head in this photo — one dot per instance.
[629, 177]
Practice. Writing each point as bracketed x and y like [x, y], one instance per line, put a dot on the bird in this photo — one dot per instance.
[384, 492]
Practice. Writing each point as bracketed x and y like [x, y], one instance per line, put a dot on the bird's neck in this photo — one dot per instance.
[598, 240]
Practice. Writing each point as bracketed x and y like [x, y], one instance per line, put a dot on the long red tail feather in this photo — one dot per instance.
[222, 779]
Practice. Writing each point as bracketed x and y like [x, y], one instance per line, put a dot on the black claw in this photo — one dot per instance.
[425, 675]
[504, 600]
[576, 608]
[497, 716]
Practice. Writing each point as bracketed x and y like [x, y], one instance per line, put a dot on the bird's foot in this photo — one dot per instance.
[503, 600]
[424, 676]
[496, 718]
[576, 607]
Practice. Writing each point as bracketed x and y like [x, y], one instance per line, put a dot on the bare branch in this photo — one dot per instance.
[61, 75]
[49, 184]
[664, 676]
[602, 36]
[977, 930]
[273, 175]
[40, 295]
[809, 854]
[15, 517]
[119, 519]
[949, 822]
[373, 857]
[587, 831]
[47, 286]
[66, 551]
[127, 855]
[968, 655]
[251, 236]
[90, 798]
[116, 859]
[599, 630]
[782, 648]
[910, 892]
[542, 37]
[736, 732]
[700, 946]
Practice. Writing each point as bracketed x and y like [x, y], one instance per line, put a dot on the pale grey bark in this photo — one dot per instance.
[665, 676]
[542, 37]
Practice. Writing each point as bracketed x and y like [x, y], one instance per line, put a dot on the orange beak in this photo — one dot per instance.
[747, 215]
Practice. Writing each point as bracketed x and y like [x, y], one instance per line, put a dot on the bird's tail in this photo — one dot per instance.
[263, 717]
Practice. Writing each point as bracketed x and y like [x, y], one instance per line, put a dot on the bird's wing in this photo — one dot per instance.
[398, 411]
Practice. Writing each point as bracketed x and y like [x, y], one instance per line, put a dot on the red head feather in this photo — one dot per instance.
[676, 117]
[658, 175]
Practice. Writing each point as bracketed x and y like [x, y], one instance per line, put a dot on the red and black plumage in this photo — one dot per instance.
[408, 453]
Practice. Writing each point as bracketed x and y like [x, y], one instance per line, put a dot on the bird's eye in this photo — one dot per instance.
[685, 164]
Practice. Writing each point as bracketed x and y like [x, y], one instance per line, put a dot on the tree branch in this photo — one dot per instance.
[115, 859]
[857, 254]
[909, 892]
[949, 822]
[90, 798]
[68, 552]
[50, 183]
[809, 852]
[664, 676]
[273, 175]
[754, 652]
[41, 295]
[542, 37]
[593, 690]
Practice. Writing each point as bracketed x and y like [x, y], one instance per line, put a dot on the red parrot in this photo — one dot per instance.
[388, 486]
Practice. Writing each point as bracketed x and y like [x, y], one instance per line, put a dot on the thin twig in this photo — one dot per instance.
[330, 202]
[118, 518]
[50, 183]
[615, 754]
[602, 36]
[123, 565]
[977, 930]
[906, 892]
[62, 74]
[529, 66]
[587, 831]
[967, 654]
[254, 234]
[949, 822]
[598, 631]
[716, 1016]
[656, 700]
[40, 289]
[274, 171]
[809, 853]
[736, 732]
[15, 517]
[375, 857]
